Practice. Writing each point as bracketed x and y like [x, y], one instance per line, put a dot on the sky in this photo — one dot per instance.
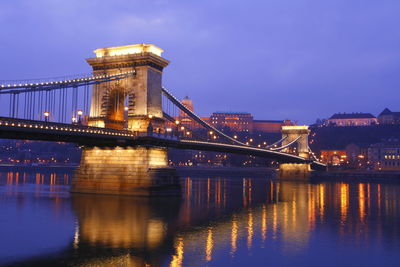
[277, 59]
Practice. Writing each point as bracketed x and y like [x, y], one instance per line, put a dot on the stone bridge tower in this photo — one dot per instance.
[296, 170]
[291, 133]
[132, 103]
[136, 99]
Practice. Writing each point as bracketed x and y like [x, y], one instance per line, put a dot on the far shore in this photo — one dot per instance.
[358, 175]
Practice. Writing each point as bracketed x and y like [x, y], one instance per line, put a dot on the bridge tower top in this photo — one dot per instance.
[135, 99]
[128, 50]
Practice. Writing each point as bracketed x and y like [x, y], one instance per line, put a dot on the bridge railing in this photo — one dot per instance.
[61, 127]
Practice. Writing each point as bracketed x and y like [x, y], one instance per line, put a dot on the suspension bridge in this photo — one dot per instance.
[125, 121]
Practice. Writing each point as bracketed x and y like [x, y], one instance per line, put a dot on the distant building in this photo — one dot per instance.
[357, 151]
[270, 126]
[236, 121]
[333, 157]
[183, 117]
[385, 155]
[188, 103]
[352, 119]
[389, 117]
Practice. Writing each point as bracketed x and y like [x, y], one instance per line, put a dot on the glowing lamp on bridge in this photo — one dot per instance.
[177, 122]
[150, 116]
[80, 113]
[46, 115]
[128, 50]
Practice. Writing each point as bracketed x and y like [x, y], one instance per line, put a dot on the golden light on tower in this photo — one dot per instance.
[128, 50]
[46, 115]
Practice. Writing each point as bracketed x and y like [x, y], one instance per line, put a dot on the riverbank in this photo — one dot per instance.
[182, 171]
[355, 175]
[225, 171]
[10, 167]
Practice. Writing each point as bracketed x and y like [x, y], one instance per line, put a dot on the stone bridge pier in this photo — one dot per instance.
[133, 103]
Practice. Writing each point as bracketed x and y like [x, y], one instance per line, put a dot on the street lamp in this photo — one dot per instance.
[150, 128]
[46, 116]
[177, 128]
[74, 120]
[80, 113]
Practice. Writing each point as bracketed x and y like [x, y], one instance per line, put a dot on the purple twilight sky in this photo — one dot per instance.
[277, 59]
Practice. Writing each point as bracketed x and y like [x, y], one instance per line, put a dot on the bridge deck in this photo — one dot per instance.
[11, 128]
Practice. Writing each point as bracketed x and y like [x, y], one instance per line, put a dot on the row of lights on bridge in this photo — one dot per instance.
[95, 131]
[67, 81]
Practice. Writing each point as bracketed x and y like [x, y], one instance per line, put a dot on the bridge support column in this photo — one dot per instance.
[294, 171]
[138, 171]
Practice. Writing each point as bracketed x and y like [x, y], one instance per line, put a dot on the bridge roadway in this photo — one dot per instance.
[11, 128]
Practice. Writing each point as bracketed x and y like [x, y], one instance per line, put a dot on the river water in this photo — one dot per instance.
[219, 221]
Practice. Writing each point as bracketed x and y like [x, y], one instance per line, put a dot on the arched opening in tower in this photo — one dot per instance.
[116, 115]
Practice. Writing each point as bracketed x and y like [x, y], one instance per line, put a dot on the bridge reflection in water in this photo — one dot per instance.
[219, 218]
[232, 222]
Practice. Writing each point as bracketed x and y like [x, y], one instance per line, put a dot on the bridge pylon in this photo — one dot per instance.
[299, 135]
[133, 102]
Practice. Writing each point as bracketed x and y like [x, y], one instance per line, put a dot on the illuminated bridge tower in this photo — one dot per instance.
[299, 135]
[133, 103]
[137, 98]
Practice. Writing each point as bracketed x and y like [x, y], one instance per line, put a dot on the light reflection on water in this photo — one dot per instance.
[219, 221]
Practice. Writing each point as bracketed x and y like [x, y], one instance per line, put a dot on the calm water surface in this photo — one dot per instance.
[241, 221]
